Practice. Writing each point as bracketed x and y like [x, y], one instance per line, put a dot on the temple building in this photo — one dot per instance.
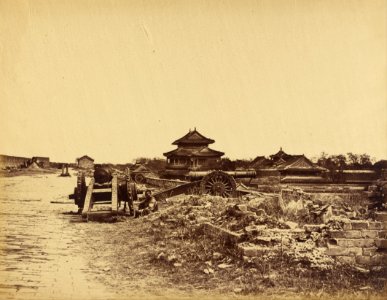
[192, 153]
[289, 168]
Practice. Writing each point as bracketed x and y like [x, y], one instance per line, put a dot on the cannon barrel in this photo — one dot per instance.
[235, 174]
[102, 175]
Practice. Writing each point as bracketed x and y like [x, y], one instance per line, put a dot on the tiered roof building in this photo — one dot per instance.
[192, 153]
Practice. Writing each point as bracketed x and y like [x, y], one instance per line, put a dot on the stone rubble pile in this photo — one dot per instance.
[292, 225]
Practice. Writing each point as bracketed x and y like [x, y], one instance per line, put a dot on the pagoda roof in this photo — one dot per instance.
[280, 154]
[194, 152]
[193, 138]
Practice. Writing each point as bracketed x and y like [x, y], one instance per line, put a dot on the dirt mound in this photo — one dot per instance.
[33, 166]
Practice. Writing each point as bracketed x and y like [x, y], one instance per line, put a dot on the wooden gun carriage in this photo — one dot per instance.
[107, 188]
[104, 194]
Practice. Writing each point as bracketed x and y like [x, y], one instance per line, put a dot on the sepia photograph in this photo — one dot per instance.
[193, 149]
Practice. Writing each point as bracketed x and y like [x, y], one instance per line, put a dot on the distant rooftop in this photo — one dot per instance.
[193, 138]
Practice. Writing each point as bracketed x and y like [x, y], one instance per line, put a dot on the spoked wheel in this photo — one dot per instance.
[139, 178]
[80, 190]
[218, 183]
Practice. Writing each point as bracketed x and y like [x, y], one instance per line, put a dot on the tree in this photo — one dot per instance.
[359, 161]
[227, 164]
[156, 164]
[365, 161]
[339, 160]
[322, 160]
[242, 163]
[353, 160]
[334, 164]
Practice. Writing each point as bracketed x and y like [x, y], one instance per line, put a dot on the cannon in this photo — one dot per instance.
[104, 188]
[111, 188]
[217, 183]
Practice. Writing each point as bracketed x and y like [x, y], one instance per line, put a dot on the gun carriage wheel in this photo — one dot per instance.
[218, 183]
[139, 178]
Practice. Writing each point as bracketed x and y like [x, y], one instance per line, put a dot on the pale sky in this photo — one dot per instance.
[121, 79]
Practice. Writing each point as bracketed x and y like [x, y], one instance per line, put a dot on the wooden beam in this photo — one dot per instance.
[87, 204]
[114, 195]
[102, 190]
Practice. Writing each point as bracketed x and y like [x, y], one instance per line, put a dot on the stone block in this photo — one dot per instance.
[313, 227]
[379, 259]
[364, 260]
[355, 251]
[369, 251]
[346, 259]
[381, 216]
[359, 224]
[339, 242]
[336, 234]
[336, 251]
[381, 243]
[266, 240]
[382, 234]
[375, 225]
[372, 234]
[224, 235]
[347, 226]
[353, 234]
[340, 251]
[251, 250]
[363, 243]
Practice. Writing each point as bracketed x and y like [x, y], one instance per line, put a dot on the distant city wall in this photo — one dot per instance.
[13, 161]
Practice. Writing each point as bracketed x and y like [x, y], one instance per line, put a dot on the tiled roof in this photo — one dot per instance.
[282, 161]
[201, 151]
[299, 162]
[193, 137]
[280, 154]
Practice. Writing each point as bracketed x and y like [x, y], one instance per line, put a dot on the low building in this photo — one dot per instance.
[43, 162]
[192, 153]
[85, 162]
